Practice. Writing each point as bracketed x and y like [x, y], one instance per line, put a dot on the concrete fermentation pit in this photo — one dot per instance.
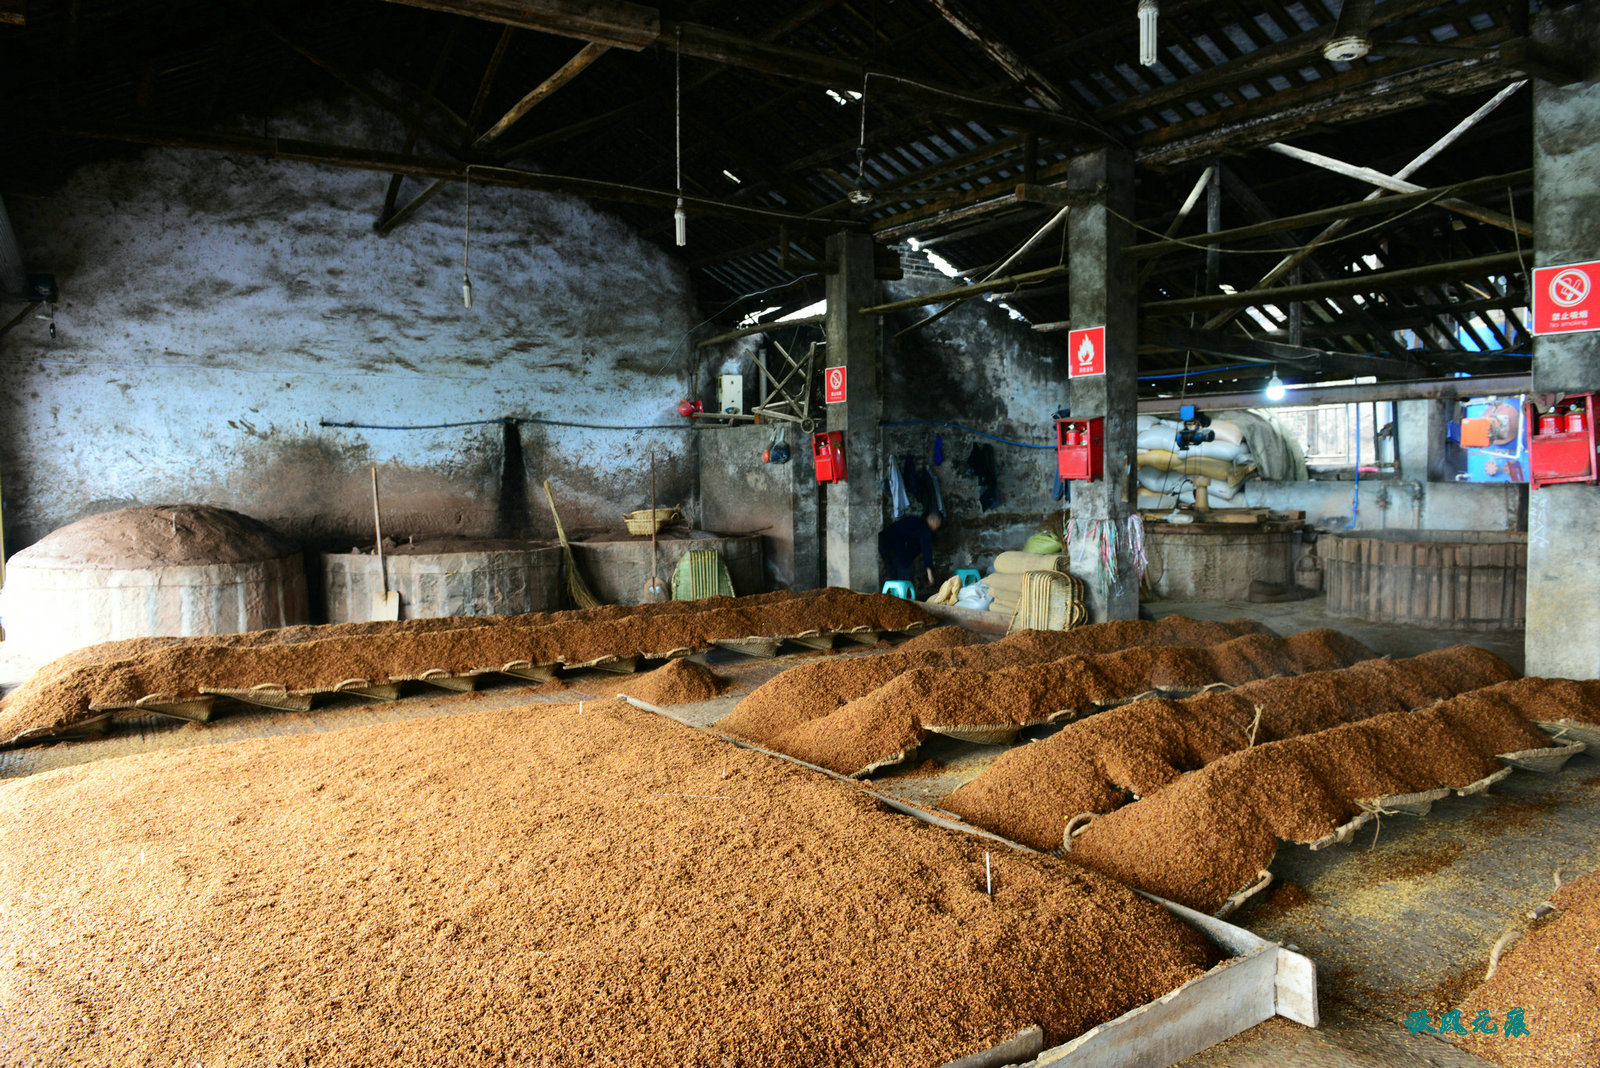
[1465, 579]
[446, 577]
[167, 570]
[617, 566]
[1217, 561]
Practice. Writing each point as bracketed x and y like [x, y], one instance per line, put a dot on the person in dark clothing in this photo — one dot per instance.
[899, 542]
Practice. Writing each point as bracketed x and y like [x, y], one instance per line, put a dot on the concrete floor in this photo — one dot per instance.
[1401, 919]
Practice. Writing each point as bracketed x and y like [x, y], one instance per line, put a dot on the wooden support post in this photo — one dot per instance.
[1102, 292]
[854, 507]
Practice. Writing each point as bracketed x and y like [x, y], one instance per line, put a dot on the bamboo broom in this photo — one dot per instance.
[577, 589]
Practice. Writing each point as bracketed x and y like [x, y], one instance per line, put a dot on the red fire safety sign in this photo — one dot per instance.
[1086, 352]
[833, 385]
[1566, 299]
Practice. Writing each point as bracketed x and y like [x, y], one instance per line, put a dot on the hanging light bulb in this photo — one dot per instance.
[1275, 390]
[860, 195]
[1149, 11]
[466, 246]
[680, 220]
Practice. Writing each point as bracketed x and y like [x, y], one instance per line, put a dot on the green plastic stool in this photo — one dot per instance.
[968, 575]
[900, 588]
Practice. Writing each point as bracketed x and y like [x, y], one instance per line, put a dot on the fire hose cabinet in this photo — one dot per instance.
[827, 450]
[1078, 449]
[1562, 445]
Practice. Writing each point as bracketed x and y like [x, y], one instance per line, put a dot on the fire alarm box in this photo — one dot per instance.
[827, 449]
[1562, 448]
[1078, 451]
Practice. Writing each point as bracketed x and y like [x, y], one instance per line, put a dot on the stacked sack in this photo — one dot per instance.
[1005, 582]
[1166, 473]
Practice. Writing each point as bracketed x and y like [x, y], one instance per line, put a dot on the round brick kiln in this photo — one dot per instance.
[167, 570]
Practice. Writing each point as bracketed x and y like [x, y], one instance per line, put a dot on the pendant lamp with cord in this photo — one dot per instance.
[680, 219]
[466, 246]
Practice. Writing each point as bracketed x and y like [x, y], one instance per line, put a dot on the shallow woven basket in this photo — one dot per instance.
[642, 523]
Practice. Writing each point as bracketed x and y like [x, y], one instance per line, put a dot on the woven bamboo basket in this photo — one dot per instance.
[646, 522]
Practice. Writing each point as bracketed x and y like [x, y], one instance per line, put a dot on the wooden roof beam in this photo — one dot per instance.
[332, 155]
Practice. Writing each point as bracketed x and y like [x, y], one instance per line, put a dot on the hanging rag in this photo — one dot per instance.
[938, 450]
[933, 493]
[899, 499]
[980, 465]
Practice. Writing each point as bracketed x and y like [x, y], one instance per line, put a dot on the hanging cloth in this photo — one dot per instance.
[899, 499]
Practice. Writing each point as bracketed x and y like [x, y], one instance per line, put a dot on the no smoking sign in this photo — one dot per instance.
[833, 385]
[1566, 298]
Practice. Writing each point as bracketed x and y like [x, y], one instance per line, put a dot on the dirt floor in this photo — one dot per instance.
[1401, 919]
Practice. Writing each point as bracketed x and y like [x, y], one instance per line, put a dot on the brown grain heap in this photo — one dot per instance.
[1207, 835]
[679, 682]
[533, 886]
[817, 689]
[888, 723]
[945, 637]
[162, 535]
[1100, 762]
[1553, 975]
[320, 658]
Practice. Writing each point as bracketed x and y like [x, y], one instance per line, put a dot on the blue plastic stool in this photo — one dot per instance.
[900, 588]
[968, 575]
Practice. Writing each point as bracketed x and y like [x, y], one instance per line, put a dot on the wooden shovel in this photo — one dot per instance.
[656, 591]
[385, 604]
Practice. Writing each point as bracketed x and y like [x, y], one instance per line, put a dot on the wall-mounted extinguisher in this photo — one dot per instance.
[827, 451]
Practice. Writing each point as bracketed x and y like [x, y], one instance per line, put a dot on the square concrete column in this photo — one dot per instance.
[853, 509]
[1102, 290]
[1563, 635]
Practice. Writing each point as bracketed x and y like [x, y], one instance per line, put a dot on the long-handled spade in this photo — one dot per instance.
[657, 590]
[385, 604]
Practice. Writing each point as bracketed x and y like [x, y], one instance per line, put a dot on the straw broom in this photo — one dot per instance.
[577, 589]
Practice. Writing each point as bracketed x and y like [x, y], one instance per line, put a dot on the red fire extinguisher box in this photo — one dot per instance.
[827, 449]
[1078, 451]
[1562, 446]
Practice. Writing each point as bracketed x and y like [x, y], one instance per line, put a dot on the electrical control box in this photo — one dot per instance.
[827, 450]
[1563, 446]
[730, 395]
[1079, 454]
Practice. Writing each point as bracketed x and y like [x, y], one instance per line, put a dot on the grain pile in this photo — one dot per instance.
[819, 688]
[680, 682]
[1553, 974]
[532, 886]
[1100, 762]
[1207, 835]
[163, 535]
[945, 637]
[320, 658]
[887, 724]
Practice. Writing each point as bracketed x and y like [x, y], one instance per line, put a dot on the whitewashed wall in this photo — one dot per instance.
[215, 309]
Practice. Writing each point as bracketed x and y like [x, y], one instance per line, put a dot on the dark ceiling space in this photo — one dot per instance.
[973, 113]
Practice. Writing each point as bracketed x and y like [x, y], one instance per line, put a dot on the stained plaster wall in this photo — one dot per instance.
[979, 368]
[216, 309]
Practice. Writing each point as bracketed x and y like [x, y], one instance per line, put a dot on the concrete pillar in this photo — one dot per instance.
[1102, 290]
[1419, 437]
[853, 509]
[1563, 628]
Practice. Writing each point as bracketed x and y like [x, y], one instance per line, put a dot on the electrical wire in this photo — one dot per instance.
[514, 420]
[969, 430]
